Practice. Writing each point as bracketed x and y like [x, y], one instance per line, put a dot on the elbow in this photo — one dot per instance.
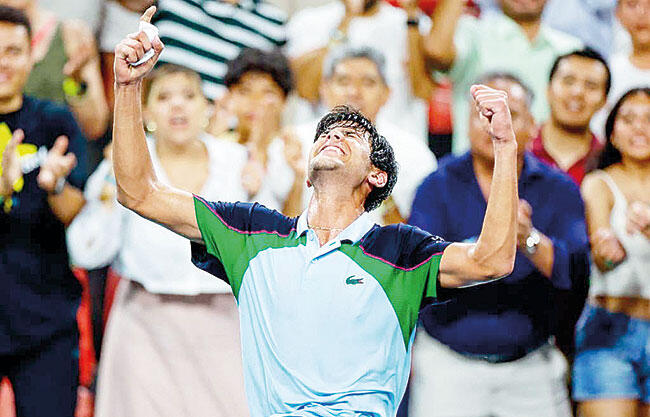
[502, 269]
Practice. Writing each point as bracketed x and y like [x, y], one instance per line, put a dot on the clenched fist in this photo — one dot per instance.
[131, 49]
[492, 107]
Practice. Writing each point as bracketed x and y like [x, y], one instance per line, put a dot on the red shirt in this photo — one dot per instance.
[578, 170]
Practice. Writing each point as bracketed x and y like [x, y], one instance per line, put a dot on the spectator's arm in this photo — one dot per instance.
[67, 204]
[90, 108]
[308, 71]
[422, 84]
[438, 46]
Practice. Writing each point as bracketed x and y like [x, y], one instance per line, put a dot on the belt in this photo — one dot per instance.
[504, 358]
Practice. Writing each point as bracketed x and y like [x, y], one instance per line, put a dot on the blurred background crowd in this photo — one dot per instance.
[102, 313]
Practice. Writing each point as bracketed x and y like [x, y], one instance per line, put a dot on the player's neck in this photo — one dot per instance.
[331, 210]
[11, 104]
[640, 57]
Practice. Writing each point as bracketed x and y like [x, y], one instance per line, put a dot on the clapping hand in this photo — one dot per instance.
[57, 165]
[638, 218]
[11, 169]
[607, 249]
[524, 222]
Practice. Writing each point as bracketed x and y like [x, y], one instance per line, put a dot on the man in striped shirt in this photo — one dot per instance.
[205, 34]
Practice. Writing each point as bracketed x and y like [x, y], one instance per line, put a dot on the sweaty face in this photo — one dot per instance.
[254, 93]
[356, 82]
[577, 91]
[177, 107]
[631, 134]
[523, 123]
[341, 147]
[525, 10]
[15, 60]
[634, 15]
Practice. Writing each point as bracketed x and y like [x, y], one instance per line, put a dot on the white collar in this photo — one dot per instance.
[354, 232]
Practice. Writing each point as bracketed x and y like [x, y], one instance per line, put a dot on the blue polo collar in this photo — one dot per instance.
[533, 168]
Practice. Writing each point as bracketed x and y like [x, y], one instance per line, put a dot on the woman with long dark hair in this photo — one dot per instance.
[611, 374]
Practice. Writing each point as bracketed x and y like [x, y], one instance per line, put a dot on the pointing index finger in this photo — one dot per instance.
[148, 14]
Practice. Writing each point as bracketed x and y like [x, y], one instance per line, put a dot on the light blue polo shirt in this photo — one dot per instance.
[326, 330]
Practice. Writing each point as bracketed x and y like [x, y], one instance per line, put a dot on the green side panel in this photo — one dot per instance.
[235, 249]
[405, 289]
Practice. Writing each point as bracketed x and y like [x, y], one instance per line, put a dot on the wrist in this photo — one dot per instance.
[134, 85]
[59, 185]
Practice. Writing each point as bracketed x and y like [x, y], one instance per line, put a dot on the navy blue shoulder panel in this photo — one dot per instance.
[402, 245]
[250, 218]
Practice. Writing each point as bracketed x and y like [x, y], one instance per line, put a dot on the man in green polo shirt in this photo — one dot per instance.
[328, 301]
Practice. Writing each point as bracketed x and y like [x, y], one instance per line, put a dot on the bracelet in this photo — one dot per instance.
[58, 188]
[532, 241]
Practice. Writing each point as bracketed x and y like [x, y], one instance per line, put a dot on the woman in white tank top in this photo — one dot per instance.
[611, 375]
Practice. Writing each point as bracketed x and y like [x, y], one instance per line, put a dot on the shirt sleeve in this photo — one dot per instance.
[233, 234]
[570, 242]
[432, 249]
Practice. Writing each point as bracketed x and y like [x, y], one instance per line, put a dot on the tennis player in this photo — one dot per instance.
[328, 301]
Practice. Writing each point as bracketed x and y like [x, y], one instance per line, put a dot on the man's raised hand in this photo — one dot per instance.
[131, 49]
[492, 106]
[58, 164]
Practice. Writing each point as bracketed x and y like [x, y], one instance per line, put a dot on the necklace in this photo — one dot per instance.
[327, 229]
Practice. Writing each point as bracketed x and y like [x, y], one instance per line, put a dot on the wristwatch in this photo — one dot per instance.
[532, 241]
[413, 21]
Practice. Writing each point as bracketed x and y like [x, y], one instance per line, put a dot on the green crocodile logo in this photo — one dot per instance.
[353, 281]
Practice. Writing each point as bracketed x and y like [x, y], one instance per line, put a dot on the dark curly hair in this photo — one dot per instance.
[381, 152]
[610, 154]
[273, 63]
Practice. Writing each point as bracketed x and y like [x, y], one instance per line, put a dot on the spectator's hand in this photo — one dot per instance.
[220, 117]
[131, 49]
[638, 218]
[57, 165]
[524, 223]
[11, 169]
[607, 248]
[253, 173]
[294, 154]
[265, 124]
[137, 6]
[81, 48]
[492, 107]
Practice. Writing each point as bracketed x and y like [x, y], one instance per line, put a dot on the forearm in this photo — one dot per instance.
[134, 174]
[91, 110]
[439, 43]
[496, 245]
[422, 84]
[67, 204]
[308, 70]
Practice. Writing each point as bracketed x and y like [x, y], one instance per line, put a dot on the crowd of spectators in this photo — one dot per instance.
[230, 113]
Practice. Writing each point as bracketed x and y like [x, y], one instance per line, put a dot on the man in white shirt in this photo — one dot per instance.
[313, 32]
[357, 77]
[629, 70]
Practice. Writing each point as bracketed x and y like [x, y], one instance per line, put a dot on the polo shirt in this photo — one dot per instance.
[205, 34]
[496, 43]
[580, 168]
[326, 330]
[514, 315]
[39, 295]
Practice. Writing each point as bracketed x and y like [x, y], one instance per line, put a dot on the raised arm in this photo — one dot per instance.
[438, 45]
[138, 188]
[493, 254]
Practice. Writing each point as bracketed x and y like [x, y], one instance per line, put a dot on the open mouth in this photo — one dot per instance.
[574, 106]
[332, 149]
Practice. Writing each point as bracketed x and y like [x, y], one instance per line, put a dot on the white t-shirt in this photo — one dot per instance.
[414, 158]
[386, 31]
[141, 250]
[625, 76]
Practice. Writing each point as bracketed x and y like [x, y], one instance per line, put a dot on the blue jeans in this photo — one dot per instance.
[612, 356]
